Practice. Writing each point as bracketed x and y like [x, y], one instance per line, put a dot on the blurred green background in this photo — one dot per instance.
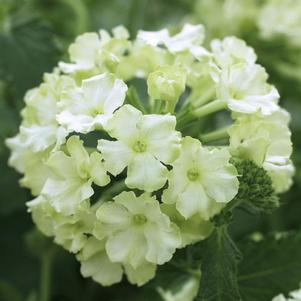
[34, 36]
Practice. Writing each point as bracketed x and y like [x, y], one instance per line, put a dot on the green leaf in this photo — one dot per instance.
[27, 51]
[219, 257]
[270, 267]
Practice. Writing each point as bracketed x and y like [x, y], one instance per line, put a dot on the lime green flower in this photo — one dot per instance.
[136, 230]
[39, 129]
[31, 164]
[232, 50]
[72, 176]
[91, 51]
[89, 107]
[83, 53]
[245, 90]
[189, 38]
[69, 231]
[143, 143]
[96, 264]
[202, 181]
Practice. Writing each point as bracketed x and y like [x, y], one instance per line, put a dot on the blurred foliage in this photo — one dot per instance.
[34, 35]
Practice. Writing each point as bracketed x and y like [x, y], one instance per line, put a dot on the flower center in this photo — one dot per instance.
[193, 174]
[139, 219]
[95, 111]
[139, 147]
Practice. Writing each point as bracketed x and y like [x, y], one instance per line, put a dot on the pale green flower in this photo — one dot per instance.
[140, 275]
[40, 138]
[193, 229]
[89, 107]
[95, 263]
[141, 60]
[167, 83]
[232, 50]
[68, 231]
[245, 89]
[266, 141]
[281, 18]
[202, 181]
[39, 129]
[187, 292]
[136, 230]
[72, 176]
[83, 53]
[31, 164]
[92, 51]
[189, 39]
[143, 143]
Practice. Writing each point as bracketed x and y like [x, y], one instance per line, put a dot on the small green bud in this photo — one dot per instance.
[167, 83]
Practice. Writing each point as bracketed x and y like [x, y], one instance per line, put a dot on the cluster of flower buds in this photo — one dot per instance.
[114, 147]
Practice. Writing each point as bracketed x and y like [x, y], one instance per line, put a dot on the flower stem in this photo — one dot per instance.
[158, 106]
[209, 108]
[186, 117]
[46, 262]
[113, 190]
[134, 100]
[215, 135]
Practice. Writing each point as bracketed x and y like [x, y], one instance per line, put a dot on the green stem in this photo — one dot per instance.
[211, 107]
[46, 263]
[188, 117]
[207, 96]
[114, 190]
[216, 135]
[158, 106]
[134, 100]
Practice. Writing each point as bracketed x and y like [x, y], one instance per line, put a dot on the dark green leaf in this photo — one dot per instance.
[27, 51]
[270, 267]
[220, 257]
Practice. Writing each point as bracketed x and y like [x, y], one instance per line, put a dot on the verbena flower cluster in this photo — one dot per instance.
[104, 150]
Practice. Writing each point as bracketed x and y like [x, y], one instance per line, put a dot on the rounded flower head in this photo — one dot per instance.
[202, 181]
[100, 146]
